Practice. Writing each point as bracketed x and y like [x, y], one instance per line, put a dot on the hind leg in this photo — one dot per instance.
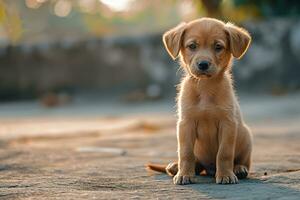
[241, 169]
[172, 168]
[242, 165]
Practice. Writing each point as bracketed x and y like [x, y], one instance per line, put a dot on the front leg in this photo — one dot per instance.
[186, 136]
[225, 156]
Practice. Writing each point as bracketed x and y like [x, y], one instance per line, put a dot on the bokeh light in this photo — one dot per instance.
[62, 8]
[117, 5]
[33, 4]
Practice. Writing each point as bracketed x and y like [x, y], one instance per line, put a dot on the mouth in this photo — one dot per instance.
[203, 75]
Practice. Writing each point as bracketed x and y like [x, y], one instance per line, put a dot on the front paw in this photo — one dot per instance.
[227, 178]
[183, 179]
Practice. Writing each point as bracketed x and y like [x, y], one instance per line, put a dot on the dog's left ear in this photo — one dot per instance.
[172, 39]
[239, 40]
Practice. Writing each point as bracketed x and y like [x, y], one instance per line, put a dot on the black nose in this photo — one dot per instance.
[203, 65]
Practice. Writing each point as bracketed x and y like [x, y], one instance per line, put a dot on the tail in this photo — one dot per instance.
[157, 167]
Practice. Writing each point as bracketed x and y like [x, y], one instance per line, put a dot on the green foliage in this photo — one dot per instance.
[270, 8]
[22, 20]
[10, 22]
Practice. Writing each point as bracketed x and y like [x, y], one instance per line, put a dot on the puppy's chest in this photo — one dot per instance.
[206, 105]
[205, 102]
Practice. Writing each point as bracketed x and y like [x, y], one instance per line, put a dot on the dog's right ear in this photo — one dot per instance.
[172, 39]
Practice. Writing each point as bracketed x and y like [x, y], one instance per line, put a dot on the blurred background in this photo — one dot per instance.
[107, 57]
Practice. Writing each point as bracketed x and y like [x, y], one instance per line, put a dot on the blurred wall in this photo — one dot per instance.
[129, 63]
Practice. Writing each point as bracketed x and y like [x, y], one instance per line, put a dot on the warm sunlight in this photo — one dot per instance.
[124, 99]
[117, 5]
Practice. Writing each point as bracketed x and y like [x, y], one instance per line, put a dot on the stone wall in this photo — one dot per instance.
[273, 61]
[272, 64]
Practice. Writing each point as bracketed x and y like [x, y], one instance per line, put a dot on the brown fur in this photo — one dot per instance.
[211, 133]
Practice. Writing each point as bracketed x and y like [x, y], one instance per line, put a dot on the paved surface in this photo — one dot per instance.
[102, 157]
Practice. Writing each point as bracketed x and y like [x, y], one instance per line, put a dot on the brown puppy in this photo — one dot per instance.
[211, 133]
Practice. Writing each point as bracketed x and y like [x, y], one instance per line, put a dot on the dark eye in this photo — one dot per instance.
[218, 47]
[192, 46]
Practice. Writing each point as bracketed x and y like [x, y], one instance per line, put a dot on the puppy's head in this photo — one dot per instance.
[206, 46]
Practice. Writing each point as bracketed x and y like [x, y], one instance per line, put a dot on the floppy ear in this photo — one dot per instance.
[239, 40]
[172, 39]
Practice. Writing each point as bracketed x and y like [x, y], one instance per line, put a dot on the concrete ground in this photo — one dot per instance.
[97, 150]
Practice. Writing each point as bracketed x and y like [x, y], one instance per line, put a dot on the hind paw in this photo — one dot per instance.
[172, 169]
[240, 171]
